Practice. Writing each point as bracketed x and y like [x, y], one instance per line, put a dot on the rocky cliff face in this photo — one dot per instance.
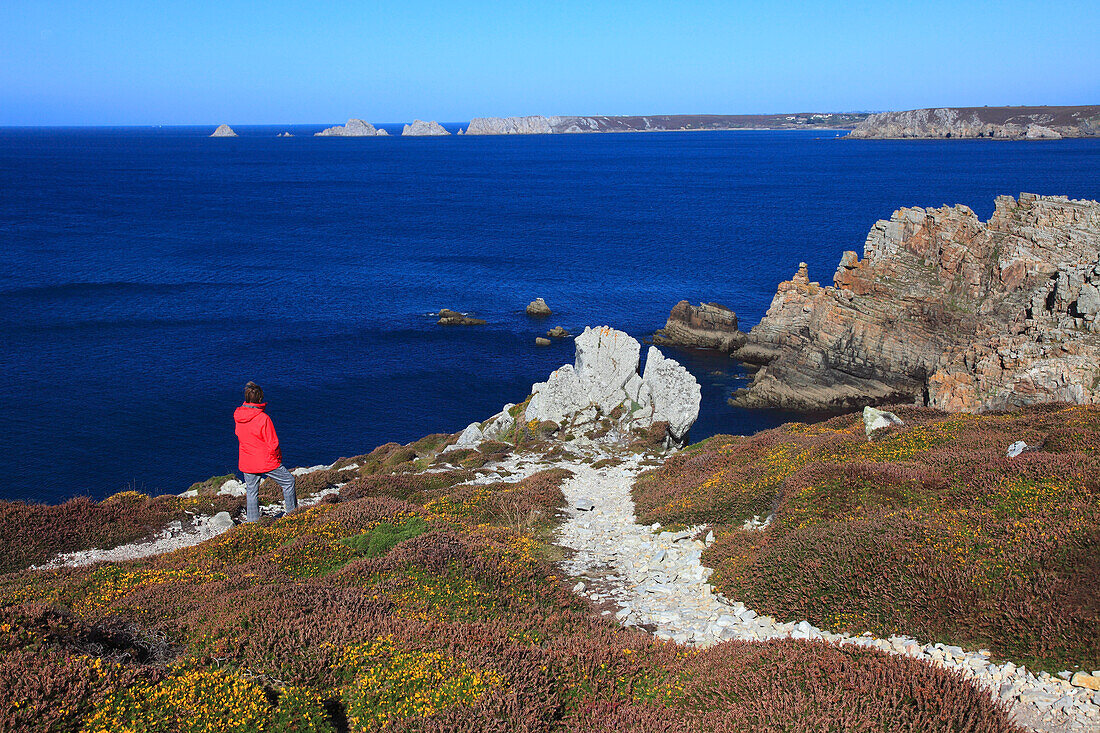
[603, 382]
[539, 125]
[1005, 123]
[224, 131]
[705, 326]
[945, 310]
[422, 128]
[353, 128]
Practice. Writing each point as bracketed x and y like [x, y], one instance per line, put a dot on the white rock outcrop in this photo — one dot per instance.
[471, 437]
[604, 377]
[353, 128]
[877, 419]
[422, 128]
[224, 131]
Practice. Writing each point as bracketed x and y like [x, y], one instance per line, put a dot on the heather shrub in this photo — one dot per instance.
[34, 533]
[210, 486]
[382, 538]
[410, 486]
[420, 604]
[928, 530]
[300, 710]
[188, 701]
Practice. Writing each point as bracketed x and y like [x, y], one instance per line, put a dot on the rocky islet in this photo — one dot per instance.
[704, 326]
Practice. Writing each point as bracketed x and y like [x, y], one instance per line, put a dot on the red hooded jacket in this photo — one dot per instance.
[259, 444]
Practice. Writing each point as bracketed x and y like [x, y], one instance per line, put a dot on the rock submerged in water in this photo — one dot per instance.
[705, 326]
[604, 381]
[224, 131]
[944, 310]
[420, 128]
[540, 341]
[557, 332]
[538, 308]
[448, 317]
[353, 128]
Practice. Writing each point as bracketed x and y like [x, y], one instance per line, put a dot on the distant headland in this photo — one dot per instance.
[941, 123]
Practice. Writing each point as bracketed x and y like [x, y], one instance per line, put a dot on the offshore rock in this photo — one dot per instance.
[1004, 123]
[557, 332]
[944, 310]
[448, 317]
[353, 128]
[604, 381]
[422, 128]
[538, 308]
[705, 326]
[224, 131]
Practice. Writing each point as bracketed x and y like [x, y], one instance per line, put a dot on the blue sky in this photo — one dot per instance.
[126, 62]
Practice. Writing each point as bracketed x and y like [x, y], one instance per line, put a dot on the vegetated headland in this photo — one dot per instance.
[993, 123]
[565, 565]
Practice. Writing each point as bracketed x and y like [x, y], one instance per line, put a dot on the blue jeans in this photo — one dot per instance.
[281, 476]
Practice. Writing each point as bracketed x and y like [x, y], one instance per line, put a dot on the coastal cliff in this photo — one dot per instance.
[540, 125]
[1003, 123]
[944, 310]
[353, 128]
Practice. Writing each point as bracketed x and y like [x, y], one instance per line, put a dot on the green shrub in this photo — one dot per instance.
[382, 538]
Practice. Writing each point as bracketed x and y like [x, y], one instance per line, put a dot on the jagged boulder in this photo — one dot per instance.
[471, 437]
[604, 381]
[538, 308]
[874, 419]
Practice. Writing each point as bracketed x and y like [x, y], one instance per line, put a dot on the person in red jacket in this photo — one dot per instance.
[260, 455]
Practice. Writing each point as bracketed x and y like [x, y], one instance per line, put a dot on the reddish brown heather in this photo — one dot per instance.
[928, 530]
[32, 534]
[472, 605]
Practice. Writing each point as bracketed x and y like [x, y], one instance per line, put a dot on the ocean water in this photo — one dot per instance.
[146, 274]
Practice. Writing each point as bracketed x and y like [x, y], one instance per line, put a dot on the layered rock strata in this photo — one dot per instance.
[705, 326]
[1005, 123]
[224, 131]
[424, 129]
[353, 128]
[944, 310]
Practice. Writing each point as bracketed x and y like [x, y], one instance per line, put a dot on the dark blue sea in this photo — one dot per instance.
[147, 273]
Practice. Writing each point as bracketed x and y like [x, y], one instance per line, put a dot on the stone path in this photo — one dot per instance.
[654, 579]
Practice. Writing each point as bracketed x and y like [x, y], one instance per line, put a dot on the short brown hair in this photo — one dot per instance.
[253, 393]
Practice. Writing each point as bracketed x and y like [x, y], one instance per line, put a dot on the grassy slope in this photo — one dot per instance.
[929, 530]
[412, 604]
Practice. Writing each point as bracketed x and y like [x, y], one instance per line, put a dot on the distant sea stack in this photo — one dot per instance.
[224, 131]
[1000, 123]
[703, 326]
[422, 128]
[353, 128]
[943, 310]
